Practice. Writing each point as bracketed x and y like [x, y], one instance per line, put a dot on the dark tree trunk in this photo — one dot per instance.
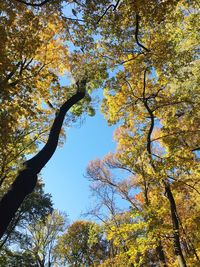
[9, 231]
[25, 182]
[161, 254]
[175, 222]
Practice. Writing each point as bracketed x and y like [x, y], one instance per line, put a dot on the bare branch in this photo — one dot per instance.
[81, 20]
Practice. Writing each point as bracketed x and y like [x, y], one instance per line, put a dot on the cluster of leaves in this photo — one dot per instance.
[31, 55]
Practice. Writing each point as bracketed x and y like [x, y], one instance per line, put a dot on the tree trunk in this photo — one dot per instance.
[9, 231]
[161, 255]
[159, 247]
[25, 182]
[175, 222]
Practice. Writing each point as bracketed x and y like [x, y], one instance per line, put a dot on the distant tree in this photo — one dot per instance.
[41, 238]
[82, 245]
[35, 247]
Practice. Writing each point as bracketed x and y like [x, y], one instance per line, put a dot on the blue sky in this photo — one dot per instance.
[64, 174]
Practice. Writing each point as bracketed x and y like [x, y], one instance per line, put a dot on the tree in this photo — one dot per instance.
[150, 49]
[82, 244]
[135, 231]
[38, 244]
[152, 95]
[33, 55]
[35, 208]
[42, 237]
[25, 182]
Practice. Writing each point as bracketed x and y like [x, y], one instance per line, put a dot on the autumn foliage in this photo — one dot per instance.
[143, 56]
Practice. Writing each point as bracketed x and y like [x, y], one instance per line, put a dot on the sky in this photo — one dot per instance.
[64, 173]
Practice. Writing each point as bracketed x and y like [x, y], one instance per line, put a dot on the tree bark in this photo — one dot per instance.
[25, 182]
[175, 222]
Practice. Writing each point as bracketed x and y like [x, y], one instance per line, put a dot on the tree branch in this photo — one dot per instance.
[32, 4]
[191, 186]
[145, 101]
[104, 13]
[137, 33]
[177, 133]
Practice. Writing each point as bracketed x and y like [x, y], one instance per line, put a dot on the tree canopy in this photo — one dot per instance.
[144, 56]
